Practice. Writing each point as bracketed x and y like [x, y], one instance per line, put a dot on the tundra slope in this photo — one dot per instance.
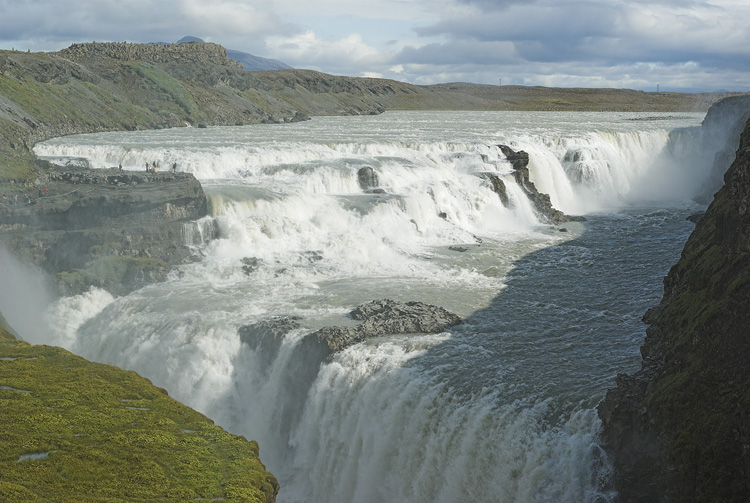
[94, 87]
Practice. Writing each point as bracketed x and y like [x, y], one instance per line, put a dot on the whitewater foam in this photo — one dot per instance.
[480, 413]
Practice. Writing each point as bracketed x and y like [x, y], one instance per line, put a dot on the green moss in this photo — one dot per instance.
[171, 95]
[110, 435]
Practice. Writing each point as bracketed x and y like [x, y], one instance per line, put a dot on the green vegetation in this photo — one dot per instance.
[105, 87]
[73, 431]
[169, 93]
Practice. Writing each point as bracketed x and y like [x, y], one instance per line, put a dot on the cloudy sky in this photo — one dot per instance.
[679, 45]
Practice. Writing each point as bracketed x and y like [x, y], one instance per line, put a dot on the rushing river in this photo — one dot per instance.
[499, 408]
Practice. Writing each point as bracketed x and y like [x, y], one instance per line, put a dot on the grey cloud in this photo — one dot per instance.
[459, 53]
[49, 24]
[600, 33]
[531, 21]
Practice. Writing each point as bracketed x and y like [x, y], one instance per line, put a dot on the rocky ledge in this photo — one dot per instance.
[386, 317]
[116, 230]
[377, 317]
[519, 161]
[678, 429]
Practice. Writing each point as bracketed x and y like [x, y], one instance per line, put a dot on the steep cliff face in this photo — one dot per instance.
[114, 230]
[721, 130]
[679, 428]
[188, 52]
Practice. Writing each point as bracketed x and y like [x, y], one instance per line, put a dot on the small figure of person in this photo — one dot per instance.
[174, 168]
[46, 192]
[120, 167]
[147, 168]
[40, 192]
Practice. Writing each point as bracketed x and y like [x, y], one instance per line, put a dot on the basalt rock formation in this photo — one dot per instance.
[189, 52]
[367, 178]
[386, 317]
[678, 429]
[519, 161]
[105, 228]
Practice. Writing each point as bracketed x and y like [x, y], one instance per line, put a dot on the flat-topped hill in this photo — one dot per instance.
[93, 87]
[187, 52]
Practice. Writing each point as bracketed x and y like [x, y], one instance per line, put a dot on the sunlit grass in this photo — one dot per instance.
[100, 433]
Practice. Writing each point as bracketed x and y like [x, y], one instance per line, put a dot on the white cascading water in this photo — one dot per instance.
[469, 415]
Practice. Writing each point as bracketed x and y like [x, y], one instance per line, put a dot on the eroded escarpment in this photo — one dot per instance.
[678, 429]
[116, 230]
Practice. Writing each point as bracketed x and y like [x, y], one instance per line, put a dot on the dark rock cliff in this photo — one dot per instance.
[721, 130]
[114, 230]
[679, 428]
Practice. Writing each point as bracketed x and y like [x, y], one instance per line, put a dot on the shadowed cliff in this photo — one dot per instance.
[679, 428]
[111, 229]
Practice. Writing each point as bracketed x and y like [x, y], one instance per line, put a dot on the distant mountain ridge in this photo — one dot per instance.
[249, 61]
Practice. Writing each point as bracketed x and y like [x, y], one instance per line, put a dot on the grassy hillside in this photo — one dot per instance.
[110, 86]
[73, 431]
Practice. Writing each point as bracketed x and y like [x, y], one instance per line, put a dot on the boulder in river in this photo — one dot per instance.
[367, 178]
[387, 317]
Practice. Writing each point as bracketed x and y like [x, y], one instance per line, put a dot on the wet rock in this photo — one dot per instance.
[313, 256]
[498, 187]
[541, 201]
[250, 265]
[255, 334]
[367, 178]
[460, 249]
[695, 217]
[386, 317]
[113, 230]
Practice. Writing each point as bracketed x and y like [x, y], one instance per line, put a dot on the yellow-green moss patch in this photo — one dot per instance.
[100, 433]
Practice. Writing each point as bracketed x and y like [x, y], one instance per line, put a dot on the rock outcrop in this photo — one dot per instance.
[386, 317]
[679, 428]
[498, 186]
[367, 178]
[115, 230]
[519, 161]
[188, 52]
